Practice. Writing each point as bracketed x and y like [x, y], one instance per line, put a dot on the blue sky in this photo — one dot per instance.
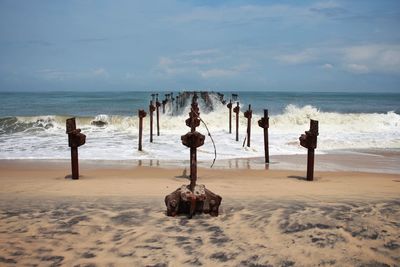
[221, 45]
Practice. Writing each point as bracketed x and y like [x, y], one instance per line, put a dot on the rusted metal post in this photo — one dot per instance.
[310, 164]
[309, 141]
[74, 163]
[75, 140]
[248, 114]
[264, 123]
[193, 140]
[152, 108]
[193, 121]
[192, 198]
[193, 168]
[142, 114]
[158, 104]
[230, 115]
[237, 110]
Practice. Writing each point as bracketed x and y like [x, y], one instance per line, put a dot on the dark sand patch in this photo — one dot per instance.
[247, 233]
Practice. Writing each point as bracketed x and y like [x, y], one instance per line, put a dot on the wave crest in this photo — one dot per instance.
[293, 119]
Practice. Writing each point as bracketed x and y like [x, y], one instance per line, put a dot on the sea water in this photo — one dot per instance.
[32, 125]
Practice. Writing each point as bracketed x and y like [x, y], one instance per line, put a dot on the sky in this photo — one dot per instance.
[85, 45]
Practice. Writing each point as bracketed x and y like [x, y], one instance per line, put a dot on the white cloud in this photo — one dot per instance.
[327, 66]
[215, 73]
[297, 58]
[205, 64]
[239, 14]
[372, 58]
[368, 58]
[201, 52]
[356, 68]
[169, 66]
[222, 72]
[326, 4]
[65, 75]
[327, 9]
[242, 14]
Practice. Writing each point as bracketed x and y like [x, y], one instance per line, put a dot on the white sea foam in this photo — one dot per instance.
[43, 137]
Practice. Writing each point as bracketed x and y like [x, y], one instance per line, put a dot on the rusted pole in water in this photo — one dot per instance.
[142, 114]
[158, 104]
[248, 114]
[230, 115]
[237, 110]
[151, 109]
[309, 141]
[75, 140]
[264, 123]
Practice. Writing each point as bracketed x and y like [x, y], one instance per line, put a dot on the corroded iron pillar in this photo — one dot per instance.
[158, 104]
[309, 141]
[142, 114]
[237, 110]
[229, 106]
[264, 123]
[75, 140]
[152, 108]
[192, 198]
[248, 114]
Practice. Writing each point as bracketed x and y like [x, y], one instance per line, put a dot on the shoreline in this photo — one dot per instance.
[360, 160]
[26, 179]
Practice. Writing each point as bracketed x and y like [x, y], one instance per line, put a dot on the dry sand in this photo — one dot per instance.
[115, 216]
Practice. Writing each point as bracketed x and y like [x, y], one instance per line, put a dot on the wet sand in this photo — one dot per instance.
[115, 216]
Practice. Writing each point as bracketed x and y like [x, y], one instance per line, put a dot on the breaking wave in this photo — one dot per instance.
[115, 136]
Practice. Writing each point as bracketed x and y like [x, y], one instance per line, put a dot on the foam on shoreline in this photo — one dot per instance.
[43, 137]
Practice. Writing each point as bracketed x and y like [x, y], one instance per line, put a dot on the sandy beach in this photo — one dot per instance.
[115, 216]
[207, 133]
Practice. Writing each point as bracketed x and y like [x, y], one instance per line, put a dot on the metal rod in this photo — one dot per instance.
[266, 145]
[237, 121]
[310, 164]
[140, 131]
[193, 168]
[249, 126]
[230, 116]
[151, 121]
[74, 163]
[158, 116]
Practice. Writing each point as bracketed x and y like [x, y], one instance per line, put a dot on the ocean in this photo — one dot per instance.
[32, 125]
